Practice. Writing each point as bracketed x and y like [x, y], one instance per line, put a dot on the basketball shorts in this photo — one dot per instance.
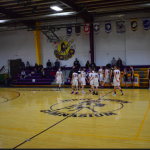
[112, 78]
[91, 82]
[125, 78]
[59, 80]
[83, 82]
[101, 78]
[75, 83]
[107, 79]
[132, 79]
[115, 83]
[96, 83]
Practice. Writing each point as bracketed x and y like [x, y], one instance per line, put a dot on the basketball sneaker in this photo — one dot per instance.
[122, 93]
[83, 92]
[101, 86]
[72, 92]
[93, 92]
[76, 93]
[114, 94]
[89, 90]
[96, 93]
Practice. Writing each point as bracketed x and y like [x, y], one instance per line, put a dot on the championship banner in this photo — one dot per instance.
[108, 26]
[96, 27]
[120, 25]
[87, 28]
[78, 30]
[133, 24]
[146, 23]
[69, 31]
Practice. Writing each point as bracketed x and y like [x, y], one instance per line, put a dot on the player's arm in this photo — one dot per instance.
[105, 73]
[56, 76]
[115, 76]
[148, 73]
[91, 79]
[72, 78]
[110, 73]
[62, 76]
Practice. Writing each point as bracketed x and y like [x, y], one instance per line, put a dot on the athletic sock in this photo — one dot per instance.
[114, 92]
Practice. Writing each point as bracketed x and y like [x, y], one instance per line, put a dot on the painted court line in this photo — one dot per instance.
[23, 107]
[77, 134]
[142, 123]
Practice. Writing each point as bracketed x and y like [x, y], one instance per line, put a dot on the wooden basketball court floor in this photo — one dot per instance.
[46, 118]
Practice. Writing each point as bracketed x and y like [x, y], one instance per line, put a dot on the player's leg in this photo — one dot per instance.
[76, 87]
[96, 90]
[114, 90]
[72, 88]
[93, 90]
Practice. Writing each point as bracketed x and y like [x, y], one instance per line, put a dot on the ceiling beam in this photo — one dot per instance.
[84, 15]
[14, 15]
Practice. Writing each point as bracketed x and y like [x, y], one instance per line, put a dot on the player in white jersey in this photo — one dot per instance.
[95, 79]
[116, 80]
[58, 77]
[79, 75]
[74, 81]
[107, 77]
[101, 77]
[83, 82]
[91, 82]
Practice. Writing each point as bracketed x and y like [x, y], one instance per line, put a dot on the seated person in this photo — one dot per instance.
[113, 62]
[48, 64]
[57, 64]
[27, 65]
[92, 65]
[52, 73]
[87, 64]
[23, 74]
[119, 62]
[22, 66]
[40, 68]
[43, 75]
[36, 67]
[76, 64]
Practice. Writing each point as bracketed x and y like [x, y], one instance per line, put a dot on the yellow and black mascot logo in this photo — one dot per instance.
[133, 24]
[65, 49]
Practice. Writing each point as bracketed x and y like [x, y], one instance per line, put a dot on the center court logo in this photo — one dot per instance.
[86, 107]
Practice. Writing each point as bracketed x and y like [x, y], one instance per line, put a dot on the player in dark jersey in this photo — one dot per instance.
[148, 76]
[132, 77]
[125, 76]
[112, 75]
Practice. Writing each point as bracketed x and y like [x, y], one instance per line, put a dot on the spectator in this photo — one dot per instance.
[88, 70]
[40, 68]
[48, 64]
[125, 76]
[36, 67]
[119, 62]
[23, 74]
[71, 72]
[43, 75]
[113, 62]
[27, 65]
[57, 64]
[52, 73]
[92, 65]
[76, 64]
[87, 64]
[22, 66]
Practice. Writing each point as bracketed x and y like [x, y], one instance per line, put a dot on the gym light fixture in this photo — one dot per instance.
[56, 8]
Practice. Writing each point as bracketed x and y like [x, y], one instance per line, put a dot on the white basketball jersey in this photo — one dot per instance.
[117, 73]
[108, 72]
[83, 75]
[100, 70]
[59, 73]
[75, 76]
[95, 77]
[90, 75]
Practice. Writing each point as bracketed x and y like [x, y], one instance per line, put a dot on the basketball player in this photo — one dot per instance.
[83, 82]
[112, 75]
[148, 76]
[101, 72]
[58, 77]
[74, 81]
[91, 82]
[116, 80]
[125, 76]
[107, 77]
[95, 79]
[79, 77]
[132, 77]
